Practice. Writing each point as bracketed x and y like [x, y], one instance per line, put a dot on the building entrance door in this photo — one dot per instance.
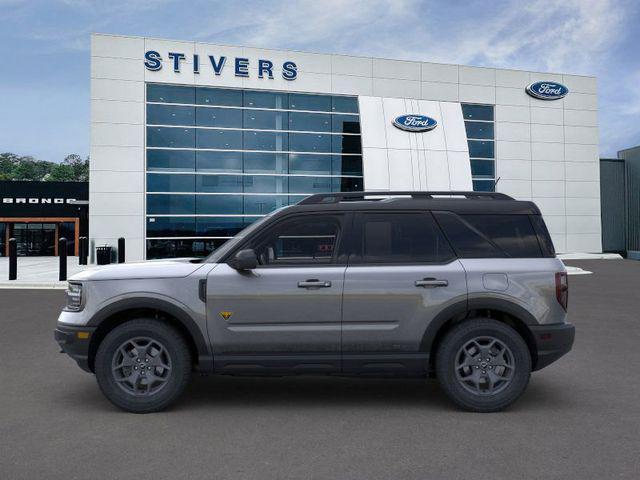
[35, 239]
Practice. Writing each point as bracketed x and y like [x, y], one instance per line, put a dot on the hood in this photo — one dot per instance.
[176, 268]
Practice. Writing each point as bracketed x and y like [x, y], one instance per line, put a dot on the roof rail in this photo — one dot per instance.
[354, 196]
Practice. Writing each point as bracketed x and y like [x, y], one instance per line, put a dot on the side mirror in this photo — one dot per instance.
[244, 260]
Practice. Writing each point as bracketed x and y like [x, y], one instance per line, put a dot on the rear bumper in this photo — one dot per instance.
[75, 341]
[552, 342]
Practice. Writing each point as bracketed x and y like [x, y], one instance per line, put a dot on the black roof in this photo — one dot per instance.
[457, 202]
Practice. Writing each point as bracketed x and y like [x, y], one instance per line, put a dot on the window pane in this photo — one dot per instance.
[260, 162]
[345, 123]
[347, 165]
[316, 103]
[219, 96]
[219, 161]
[171, 226]
[484, 185]
[263, 204]
[481, 149]
[219, 117]
[219, 226]
[223, 139]
[483, 167]
[265, 120]
[310, 142]
[170, 94]
[309, 185]
[546, 244]
[162, 182]
[345, 104]
[167, 204]
[310, 163]
[402, 238]
[347, 184]
[310, 122]
[304, 241]
[467, 241]
[169, 115]
[219, 183]
[175, 160]
[170, 137]
[182, 248]
[265, 99]
[265, 141]
[218, 204]
[347, 144]
[514, 234]
[477, 112]
[479, 129]
[265, 184]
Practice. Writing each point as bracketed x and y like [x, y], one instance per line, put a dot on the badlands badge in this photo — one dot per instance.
[226, 315]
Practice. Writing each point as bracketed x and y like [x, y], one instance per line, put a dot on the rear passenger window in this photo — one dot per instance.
[491, 236]
[402, 238]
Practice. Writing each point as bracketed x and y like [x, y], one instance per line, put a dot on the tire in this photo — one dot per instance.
[492, 385]
[143, 365]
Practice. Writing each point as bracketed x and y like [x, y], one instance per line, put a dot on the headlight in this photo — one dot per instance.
[74, 297]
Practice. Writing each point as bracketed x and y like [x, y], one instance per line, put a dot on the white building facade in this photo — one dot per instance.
[190, 142]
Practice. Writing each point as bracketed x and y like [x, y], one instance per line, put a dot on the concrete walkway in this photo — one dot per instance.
[38, 272]
[42, 272]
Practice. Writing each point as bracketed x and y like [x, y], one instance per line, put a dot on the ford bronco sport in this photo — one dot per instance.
[463, 286]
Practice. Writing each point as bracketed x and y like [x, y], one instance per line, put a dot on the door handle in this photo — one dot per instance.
[431, 283]
[314, 283]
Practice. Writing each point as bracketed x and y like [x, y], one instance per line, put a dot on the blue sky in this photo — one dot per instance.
[44, 80]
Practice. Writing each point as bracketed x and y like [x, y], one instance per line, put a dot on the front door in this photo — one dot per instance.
[285, 314]
[402, 273]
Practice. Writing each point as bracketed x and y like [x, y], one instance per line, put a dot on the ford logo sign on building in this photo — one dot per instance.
[415, 123]
[547, 90]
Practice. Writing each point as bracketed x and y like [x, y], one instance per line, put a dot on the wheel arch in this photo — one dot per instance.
[504, 311]
[117, 313]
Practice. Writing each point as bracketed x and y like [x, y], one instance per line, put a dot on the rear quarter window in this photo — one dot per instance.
[491, 235]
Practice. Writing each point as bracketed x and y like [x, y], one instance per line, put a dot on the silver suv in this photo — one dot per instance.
[463, 286]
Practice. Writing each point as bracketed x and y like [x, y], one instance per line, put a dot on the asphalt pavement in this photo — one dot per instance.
[579, 419]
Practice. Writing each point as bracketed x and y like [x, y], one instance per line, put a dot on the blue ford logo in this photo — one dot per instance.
[415, 123]
[547, 90]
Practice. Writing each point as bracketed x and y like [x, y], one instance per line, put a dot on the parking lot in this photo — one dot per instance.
[580, 418]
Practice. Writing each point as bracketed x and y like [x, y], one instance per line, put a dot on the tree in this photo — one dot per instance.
[16, 167]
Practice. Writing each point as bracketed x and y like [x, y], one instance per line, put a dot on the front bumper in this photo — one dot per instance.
[75, 342]
[552, 342]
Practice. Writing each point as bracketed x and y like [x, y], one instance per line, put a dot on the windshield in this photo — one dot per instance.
[230, 244]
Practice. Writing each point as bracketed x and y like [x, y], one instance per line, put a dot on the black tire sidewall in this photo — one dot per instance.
[461, 334]
[178, 377]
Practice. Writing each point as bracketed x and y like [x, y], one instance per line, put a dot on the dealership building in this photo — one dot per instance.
[190, 142]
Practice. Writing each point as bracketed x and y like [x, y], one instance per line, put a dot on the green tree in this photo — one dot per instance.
[61, 173]
[17, 167]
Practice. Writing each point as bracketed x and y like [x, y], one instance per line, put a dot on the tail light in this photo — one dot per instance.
[562, 289]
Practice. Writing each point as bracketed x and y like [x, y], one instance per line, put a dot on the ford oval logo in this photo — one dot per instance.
[415, 123]
[547, 90]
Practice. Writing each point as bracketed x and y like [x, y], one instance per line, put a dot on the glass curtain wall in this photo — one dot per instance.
[480, 127]
[218, 159]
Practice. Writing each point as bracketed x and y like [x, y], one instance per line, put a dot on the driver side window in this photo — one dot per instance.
[304, 240]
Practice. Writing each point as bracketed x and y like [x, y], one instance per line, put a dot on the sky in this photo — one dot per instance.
[44, 78]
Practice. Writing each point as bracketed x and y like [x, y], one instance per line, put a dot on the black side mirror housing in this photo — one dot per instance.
[244, 260]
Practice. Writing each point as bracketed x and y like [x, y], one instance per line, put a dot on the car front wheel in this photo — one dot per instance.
[143, 365]
[483, 365]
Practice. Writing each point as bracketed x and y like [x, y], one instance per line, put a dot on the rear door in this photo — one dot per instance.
[401, 274]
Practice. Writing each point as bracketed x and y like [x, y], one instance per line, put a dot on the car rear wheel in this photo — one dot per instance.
[483, 365]
[143, 365]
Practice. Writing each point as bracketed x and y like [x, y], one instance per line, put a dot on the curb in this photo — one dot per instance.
[33, 285]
